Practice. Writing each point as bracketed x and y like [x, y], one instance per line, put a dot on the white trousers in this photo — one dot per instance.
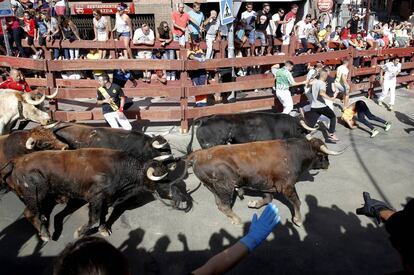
[286, 99]
[117, 118]
[389, 86]
[209, 41]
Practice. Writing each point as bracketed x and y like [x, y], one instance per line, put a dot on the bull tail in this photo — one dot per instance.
[193, 125]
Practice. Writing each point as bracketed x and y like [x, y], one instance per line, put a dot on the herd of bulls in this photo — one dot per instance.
[104, 167]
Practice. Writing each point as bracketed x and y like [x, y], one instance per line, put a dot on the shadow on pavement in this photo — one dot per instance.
[335, 243]
[403, 118]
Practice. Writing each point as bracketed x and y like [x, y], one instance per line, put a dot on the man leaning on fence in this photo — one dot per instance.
[112, 98]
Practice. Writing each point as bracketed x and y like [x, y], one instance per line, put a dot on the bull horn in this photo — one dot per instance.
[51, 125]
[30, 143]
[162, 158]
[150, 175]
[29, 100]
[307, 127]
[325, 150]
[54, 94]
[157, 145]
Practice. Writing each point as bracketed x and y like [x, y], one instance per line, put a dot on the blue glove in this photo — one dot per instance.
[261, 227]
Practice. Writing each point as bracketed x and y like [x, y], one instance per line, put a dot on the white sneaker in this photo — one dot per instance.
[173, 77]
[168, 78]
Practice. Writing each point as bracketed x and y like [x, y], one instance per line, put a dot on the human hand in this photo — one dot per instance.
[96, 39]
[372, 208]
[261, 227]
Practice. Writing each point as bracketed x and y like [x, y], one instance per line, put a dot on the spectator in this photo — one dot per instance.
[341, 80]
[158, 75]
[100, 29]
[345, 35]
[277, 22]
[3, 37]
[196, 18]
[289, 24]
[91, 255]
[399, 225]
[112, 99]
[354, 24]
[212, 26]
[319, 107]
[16, 82]
[359, 44]
[302, 30]
[361, 110]
[323, 18]
[123, 28]
[144, 36]
[284, 80]
[121, 77]
[70, 33]
[388, 80]
[95, 55]
[16, 24]
[313, 36]
[263, 18]
[198, 77]
[248, 18]
[165, 36]
[334, 39]
[180, 21]
[30, 29]
[48, 29]
[323, 37]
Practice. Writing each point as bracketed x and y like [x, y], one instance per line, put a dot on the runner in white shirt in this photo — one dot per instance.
[341, 81]
[389, 72]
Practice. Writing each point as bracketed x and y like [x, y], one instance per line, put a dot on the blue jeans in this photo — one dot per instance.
[169, 55]
[304, 42]
[262, 37]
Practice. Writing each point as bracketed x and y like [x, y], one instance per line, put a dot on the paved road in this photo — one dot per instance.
[332, 240]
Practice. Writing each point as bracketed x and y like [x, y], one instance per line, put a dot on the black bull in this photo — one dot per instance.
[137, 144]
[101, 177]
[246, 127]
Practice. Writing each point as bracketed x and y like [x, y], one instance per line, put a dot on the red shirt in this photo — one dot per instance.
[344, 34]
[180, 19]
[290, 15]
[30, 26]
[21, 86]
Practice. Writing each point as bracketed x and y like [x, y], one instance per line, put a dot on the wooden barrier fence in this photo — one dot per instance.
[75, 91]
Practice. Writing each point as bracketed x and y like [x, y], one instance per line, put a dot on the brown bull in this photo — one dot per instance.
[267, 166]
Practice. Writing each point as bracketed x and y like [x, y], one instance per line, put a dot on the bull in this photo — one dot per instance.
[101, 177]
[246, 127]
[24, 142]
[15, 105]
[135, 143]
[266, 166]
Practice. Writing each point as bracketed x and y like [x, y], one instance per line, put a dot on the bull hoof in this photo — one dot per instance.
[253, 204]
[297, 222]
[236, 221]
[76, 234]
[104, 231]
[45, 238]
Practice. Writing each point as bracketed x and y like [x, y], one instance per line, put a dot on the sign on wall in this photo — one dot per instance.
[5, 8]
[104, 8]
[324, 5]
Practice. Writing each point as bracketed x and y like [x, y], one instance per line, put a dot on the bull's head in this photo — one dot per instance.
[322, 152]
[32, 106]
[156, 180]
[41, 138]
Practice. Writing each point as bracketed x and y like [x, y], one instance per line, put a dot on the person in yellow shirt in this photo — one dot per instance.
[94, 54]
[323, 37]
[360, 110]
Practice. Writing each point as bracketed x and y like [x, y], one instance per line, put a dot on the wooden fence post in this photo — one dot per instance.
[184, 93]
[411, 84]
[51, 84]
